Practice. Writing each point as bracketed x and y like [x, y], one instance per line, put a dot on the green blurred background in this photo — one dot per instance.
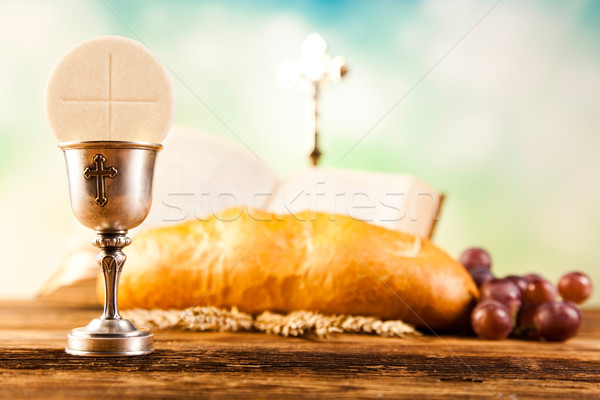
[496, 104]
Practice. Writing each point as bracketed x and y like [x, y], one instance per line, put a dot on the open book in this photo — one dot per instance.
[197, 175]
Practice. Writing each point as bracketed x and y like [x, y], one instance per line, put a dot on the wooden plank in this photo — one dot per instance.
[33, 364]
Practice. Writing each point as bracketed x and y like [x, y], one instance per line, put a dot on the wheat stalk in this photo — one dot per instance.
[296, 323]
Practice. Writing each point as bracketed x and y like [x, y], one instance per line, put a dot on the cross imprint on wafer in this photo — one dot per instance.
[109, 100]
[100, 174]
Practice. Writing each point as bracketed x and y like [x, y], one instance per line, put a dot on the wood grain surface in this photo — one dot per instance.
[33, 364]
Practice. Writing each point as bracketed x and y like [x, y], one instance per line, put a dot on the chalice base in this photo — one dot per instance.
[109, 337]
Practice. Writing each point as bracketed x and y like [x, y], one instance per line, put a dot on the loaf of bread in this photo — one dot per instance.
[327, 263]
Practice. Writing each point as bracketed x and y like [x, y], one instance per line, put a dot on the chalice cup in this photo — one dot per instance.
[110, 186]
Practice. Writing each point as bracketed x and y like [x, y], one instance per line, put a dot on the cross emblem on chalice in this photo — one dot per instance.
[100, 174]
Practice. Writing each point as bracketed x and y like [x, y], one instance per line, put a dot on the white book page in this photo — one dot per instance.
[199, 174]
[394, 201]
[423, 210]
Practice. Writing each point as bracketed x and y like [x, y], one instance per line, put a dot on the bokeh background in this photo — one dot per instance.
[497, 104]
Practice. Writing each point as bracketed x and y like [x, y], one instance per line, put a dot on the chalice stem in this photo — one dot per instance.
[111, 265]
[111, 260]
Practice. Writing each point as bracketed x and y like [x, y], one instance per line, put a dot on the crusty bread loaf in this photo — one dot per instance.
[317, 262]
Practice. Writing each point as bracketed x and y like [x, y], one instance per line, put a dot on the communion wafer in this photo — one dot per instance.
[110, 88]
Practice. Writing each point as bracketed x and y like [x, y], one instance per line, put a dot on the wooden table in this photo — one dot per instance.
[33, 364]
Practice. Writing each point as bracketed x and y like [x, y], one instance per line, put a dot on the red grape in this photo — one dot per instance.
[575, 287]
[504, 291]
[525, 324]
[519, 281]
[576, 307]
[481, 275]
[491, 320]
[539, 291]
[557, 321]
[475, 257]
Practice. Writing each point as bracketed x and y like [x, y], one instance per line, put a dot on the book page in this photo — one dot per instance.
[395, 201]
[424, 209]
[198, 174]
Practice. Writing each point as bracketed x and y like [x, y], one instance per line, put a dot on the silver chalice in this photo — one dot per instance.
[110, 186]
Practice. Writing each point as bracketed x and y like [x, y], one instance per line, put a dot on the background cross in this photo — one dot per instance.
[314, 69]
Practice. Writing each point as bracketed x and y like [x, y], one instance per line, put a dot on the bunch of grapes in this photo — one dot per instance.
[526, 306]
